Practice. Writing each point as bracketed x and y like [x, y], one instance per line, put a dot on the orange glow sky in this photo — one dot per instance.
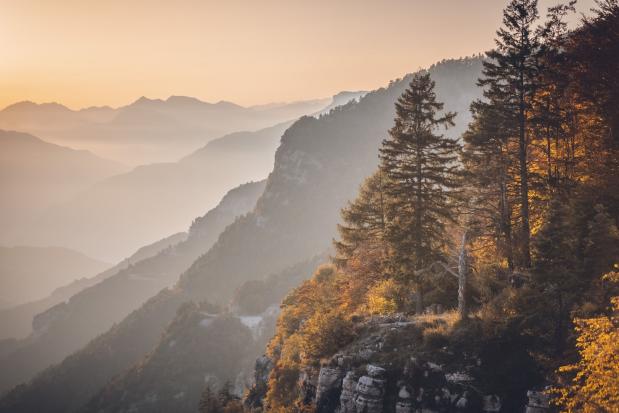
[110, 52]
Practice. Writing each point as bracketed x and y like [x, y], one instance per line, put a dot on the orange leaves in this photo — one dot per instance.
[593, 381]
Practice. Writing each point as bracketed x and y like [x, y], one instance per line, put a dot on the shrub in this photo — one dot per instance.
[382, 298]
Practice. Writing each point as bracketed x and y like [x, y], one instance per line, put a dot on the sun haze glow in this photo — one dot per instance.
[84, 53]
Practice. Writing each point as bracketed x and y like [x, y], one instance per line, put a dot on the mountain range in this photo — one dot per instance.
[318, 166]
[122, 210]
[35, 175]
[69, 325]
[148, 130]
[31, 273]
[16, 321]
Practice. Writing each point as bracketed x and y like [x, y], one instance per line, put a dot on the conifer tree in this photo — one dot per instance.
[510, 75]
[488, 164]
[556, 273]
[209, 401]
[601, 243]
[423, 181]
[364, 221]
[225, 394]
[552, 117]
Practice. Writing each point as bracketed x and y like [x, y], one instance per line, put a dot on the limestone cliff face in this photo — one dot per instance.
[389, 368]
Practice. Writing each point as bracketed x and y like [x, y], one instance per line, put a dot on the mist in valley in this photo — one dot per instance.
[354, 208]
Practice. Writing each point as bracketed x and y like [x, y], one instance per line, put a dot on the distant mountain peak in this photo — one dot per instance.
[185, 100]
[143, 100]
[29, 105]
[91, 108]
[228, 104]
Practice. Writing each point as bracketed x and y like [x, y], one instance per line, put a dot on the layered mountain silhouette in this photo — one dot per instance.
[35, 175]
[69, 325]
[117, 215]
[148, 130]
[172, 376]
[16, 321]
[31, 273]
[318, 167]
[123, 212]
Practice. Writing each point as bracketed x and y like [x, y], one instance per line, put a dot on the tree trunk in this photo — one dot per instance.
[463, 310]
[524, 180]
[505, 215]
[418, 299]
[419, 262]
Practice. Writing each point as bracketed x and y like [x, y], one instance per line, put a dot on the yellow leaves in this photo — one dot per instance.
[324, 333]
[612, 276]
[292, 351]
[382, 297]
[594, 380]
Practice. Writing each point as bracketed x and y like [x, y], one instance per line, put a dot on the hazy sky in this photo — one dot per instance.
[109, 52]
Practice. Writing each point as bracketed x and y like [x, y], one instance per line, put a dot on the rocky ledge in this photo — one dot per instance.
[387, 370]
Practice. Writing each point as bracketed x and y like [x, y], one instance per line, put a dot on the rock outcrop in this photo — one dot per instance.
[388, 368]
[370, 391]
[329, 388]
[347, 397]
[538, 402]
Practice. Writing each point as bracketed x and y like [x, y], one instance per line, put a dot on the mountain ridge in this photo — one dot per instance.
[69, 325]
[318, 167]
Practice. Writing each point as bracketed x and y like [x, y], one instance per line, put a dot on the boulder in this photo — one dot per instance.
[405, 401]
[375, 371]
[492, 403]
[539, 402]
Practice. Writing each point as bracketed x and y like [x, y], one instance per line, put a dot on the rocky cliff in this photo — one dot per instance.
[403, 364]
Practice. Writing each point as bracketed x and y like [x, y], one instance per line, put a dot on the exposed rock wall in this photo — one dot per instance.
[384, 372]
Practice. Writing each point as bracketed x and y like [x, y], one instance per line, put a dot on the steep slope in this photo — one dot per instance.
[125, 211]
[16, 322]
[148, 130]
[35, 175]
[68, 326]
[343, 98]
[30, 273]
[318, 167]
[172, 376]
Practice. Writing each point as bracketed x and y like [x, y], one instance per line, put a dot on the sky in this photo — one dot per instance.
[92, 52]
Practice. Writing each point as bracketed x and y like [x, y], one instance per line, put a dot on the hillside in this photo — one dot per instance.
[31, 273]
[123, 212]
[438, 299]
[318, 167]
[35, 175]
[68, 326]
[16, 321]
[237, 336]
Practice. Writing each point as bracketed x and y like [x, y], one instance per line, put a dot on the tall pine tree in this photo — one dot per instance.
[423, 182]
[489, 163]
[510, 76]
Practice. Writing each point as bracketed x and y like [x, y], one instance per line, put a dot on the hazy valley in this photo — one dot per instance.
[446, 242]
